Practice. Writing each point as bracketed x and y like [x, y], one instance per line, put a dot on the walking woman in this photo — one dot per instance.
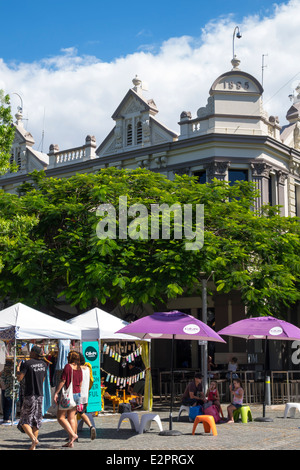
[67, 418]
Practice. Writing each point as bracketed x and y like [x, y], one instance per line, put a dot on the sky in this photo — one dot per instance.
[70, 63]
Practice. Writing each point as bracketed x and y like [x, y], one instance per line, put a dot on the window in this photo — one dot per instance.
[139, 133]
[201, 176]
[129, 134]
[237, 175]
[273, 190]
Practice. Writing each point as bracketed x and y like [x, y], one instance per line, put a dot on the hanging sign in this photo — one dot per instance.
[90, 351]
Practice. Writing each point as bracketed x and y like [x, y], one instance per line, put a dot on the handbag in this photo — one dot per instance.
[195, 411]
[66, 401]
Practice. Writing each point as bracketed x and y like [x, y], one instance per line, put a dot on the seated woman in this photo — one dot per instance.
[193, 394]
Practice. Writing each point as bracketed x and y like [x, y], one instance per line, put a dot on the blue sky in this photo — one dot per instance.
[34, 30]
[72, 62]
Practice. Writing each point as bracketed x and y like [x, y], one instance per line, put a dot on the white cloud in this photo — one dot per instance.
[78, 94]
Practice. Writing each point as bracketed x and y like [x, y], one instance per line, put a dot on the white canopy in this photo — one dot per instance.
[97, 324]
[32, 324]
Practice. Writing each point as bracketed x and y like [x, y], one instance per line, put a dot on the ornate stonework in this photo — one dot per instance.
[217, 170]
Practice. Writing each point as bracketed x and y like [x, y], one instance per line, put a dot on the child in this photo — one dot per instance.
[237, 393]
[232, 368]
[213, 394]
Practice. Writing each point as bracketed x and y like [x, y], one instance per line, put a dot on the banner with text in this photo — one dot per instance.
[90, 351]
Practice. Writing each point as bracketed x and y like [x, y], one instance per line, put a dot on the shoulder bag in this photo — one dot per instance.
[66, 401]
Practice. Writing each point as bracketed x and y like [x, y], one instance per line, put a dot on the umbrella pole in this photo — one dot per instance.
[267, 363]
[14, 384]
[171, 432]
[172, 386]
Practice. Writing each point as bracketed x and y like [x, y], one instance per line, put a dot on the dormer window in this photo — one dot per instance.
[139, 133]
[129, 134]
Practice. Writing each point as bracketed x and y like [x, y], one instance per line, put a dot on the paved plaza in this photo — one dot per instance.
[280, 434]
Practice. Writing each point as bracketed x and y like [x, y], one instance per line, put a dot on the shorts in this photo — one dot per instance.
[237, 405]
[138, 387]
[32, 411]
[192, 401]
[77, 397]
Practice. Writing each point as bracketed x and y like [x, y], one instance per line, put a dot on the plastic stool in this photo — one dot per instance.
[146, 422]
[81, 422]
[208, 424]
[245, 413]
[133, 418]
[183, 408]
[292, 407]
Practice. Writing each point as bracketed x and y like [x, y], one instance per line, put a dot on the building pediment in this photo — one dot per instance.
[134, 103]
[136, 125]
[235, 82]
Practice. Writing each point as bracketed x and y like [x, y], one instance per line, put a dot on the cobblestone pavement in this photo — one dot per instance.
[280, 434]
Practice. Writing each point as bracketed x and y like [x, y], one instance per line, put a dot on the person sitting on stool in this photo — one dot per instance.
[193, 394]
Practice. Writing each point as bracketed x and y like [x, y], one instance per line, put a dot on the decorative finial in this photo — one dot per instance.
[137, 82]
[235, 63]
[295, 96]
[19, 117]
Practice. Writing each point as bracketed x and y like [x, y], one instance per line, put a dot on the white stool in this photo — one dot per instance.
[183, 408]
[291, 407]
[146, 422]
[133, 418]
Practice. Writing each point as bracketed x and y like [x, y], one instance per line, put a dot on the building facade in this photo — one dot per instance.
[231, 138]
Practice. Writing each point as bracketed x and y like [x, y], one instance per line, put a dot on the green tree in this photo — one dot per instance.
[50, 247]
[6, 132]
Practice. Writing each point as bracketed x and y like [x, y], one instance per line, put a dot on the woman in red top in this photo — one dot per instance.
[71, 370]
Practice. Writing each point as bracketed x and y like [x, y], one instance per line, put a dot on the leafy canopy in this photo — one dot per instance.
[7, 132]
[50, 249]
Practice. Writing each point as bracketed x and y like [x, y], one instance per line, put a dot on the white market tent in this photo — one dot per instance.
[96, 324]
[22, 322]
[32, 324]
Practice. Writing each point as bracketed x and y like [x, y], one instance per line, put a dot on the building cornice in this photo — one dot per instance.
[167, 147]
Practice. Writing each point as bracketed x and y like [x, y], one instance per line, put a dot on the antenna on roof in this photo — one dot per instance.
[43, 134]
[263, 66]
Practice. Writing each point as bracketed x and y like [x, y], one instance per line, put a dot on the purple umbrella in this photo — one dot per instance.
[262, 328]
[171, 325]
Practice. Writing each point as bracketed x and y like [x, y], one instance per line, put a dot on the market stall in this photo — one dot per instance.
[100, 326]
[20, 322]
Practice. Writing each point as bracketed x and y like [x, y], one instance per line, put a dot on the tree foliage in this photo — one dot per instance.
[50, 248]
[6, 132]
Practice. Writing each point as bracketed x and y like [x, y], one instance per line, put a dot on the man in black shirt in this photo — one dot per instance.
[33, 372]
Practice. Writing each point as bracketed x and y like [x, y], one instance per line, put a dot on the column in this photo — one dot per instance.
[217, 170]
[260, 176]
[282, 177]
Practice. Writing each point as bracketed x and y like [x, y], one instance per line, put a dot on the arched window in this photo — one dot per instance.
[129, 134]
[139, 133]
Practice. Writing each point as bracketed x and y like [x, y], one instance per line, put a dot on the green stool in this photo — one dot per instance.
[245, 413]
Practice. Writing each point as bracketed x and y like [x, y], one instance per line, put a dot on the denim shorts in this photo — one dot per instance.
[77, 397]
[237, 405]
